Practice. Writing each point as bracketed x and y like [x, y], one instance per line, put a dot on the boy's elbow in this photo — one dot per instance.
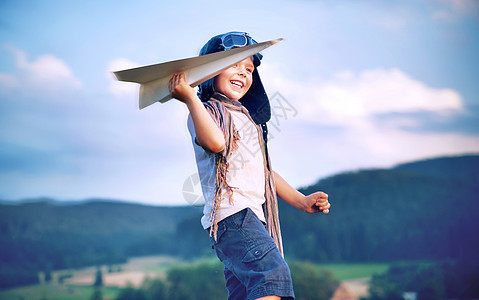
[217, 147]
[214, 146]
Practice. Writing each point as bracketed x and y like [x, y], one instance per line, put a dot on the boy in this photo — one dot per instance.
[227, 125]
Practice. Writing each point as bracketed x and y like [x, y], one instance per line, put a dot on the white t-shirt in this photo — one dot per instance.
[245, 173]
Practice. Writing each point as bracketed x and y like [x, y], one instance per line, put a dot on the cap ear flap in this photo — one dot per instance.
[256, 101]
[206, 90]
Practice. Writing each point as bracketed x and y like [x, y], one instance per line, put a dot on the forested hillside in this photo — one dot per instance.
[42, 235]
[422, 210]
[419, 210]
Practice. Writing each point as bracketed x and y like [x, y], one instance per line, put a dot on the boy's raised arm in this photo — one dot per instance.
[208, 134]
[314, 203]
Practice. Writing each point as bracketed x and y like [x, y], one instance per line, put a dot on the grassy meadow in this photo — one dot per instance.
[354, 271]
[56, 292]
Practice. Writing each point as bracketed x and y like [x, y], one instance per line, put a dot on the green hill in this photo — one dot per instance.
[45, 235]
[422, 210]
[419, 210]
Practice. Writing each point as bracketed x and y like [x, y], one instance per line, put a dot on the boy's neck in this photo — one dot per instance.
[222, 98]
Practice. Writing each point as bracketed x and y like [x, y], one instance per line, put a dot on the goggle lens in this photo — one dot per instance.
[239, 39]
[233, 40]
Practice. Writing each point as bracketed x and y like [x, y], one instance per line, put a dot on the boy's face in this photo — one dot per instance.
[235, 81]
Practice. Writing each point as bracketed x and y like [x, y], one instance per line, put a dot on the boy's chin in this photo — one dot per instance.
[235, 96]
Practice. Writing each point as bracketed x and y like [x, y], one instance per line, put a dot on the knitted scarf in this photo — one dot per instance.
[219, 107]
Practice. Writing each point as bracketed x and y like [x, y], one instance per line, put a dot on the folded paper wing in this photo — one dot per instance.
[154, 79]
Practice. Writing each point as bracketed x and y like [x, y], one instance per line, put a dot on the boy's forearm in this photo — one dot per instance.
[288, 193]
[208, 134]
[313, 203]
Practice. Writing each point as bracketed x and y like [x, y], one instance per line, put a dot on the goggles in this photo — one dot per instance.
[237, 39]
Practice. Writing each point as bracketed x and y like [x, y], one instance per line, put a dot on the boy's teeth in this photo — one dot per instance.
[237, 83]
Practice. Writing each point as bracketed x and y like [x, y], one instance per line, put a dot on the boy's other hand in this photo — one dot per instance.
[181, 90]
[317, 202]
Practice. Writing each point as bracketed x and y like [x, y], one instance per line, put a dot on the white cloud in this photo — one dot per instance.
[359, 96]
[47, 72]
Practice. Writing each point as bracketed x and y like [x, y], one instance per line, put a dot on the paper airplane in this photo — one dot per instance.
[154, 79]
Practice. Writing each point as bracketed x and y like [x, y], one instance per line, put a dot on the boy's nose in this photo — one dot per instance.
[241, 71]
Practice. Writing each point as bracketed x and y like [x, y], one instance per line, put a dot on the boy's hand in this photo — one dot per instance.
[317, 202]
[181, 90]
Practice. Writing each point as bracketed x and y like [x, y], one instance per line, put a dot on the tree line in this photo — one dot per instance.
[428, 281]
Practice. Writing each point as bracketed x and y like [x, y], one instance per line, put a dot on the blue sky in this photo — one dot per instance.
[354, 84]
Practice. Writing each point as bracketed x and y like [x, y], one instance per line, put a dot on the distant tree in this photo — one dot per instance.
[155, 289]
[381, 288]
[311, 284]
[98, 277]
[203, 281]
[130, 293]
[427, 280]
[48, 275]
[429, 283]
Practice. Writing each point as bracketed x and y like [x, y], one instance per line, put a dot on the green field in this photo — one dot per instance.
[55, 292]
[354, 271]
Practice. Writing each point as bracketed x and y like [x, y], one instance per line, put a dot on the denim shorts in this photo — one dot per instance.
[254, 267]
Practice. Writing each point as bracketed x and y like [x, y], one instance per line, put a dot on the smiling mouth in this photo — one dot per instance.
[237, 83]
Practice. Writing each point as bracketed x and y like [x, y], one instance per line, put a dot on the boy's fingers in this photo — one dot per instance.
[321, 201]
[323, 205]
[170, 84]
[172, 81]
[175, 80]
